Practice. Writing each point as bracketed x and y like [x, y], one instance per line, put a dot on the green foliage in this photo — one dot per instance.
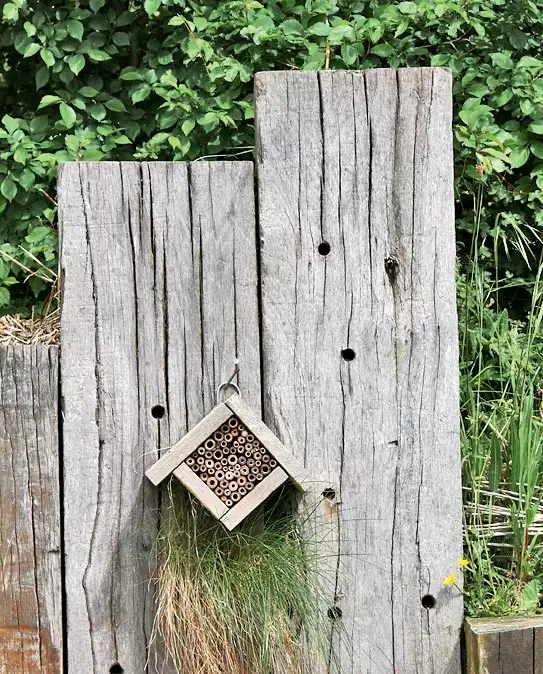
[172, 79]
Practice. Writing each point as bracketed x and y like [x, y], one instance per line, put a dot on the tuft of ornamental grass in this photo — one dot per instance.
[238, 602]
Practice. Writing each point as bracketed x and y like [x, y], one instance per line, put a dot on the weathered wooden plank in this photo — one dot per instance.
[504, 645]
[179, 452]
[200, 489]
[159, 269]
[30, 554]
[360, 344]
[268, 439]
[262, 490]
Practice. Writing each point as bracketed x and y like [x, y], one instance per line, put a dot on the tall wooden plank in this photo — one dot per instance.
[362, 161]
[30, 553]
[159, 297]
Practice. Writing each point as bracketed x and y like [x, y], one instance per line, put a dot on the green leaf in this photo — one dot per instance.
[26, 179]
[537, 148]
[122, 140]
[130, 75]
[96, 5]
[320, 28]
[75, 29]
[116, 105]
[200, 22]
[292, 27]
[88, 92]
[151, 6]
[187, 126]
[383, 50]
[536, 127]
[10, 12]
[41, 77]
[76, 63]
[68, 115]
[47, 57]
[141, 93]
[519, 156]
[528, 600]
[98, 55]
[502, 59]
[72, 143]
[20, 155]
[121, 39]
[8, 188]
[97, 111]
[48, 100]
[349, 54]
[4, 297]
[33, 48]
[10, 123]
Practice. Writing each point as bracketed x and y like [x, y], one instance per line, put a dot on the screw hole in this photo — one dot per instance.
[324, 248]
[428, 601]
[348, 354]
[116, 669]
[334, 613]
[329, 493]
[157, 412]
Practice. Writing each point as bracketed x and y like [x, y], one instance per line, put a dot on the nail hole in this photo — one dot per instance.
[116, 669]
[329, 493]
[428, 601]
[348, 354]
[392, 267]
[334, 613]
[157, 411]
[324, 248]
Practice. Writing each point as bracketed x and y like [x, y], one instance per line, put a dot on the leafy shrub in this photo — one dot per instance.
[172, 79]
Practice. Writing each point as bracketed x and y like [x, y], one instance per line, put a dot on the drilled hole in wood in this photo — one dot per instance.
[324, 248]
[428, 601]
[157, 412]
[116, 669]
[334, 613]
[348, 354]
[329, 493]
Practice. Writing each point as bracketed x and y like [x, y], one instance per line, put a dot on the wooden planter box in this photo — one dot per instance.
[504, 645]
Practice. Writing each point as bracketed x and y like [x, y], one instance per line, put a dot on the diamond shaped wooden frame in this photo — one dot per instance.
[174, 462]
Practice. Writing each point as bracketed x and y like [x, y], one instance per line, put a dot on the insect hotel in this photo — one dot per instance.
[231, 461]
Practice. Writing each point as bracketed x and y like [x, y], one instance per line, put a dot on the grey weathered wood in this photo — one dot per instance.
[199, 488]
[258, 428]
[262, 490]
[363, 161]
[159, 296]
[504, 645]
[179, 452]
[30, 554]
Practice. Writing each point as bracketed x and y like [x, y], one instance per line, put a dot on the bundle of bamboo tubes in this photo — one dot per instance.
[231, 462]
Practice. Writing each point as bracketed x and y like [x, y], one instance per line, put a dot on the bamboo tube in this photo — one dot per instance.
[209, 443]
[235, 497]
[233, 485]
[266, 469]
[212, 482]
[244, 470]
[201, 451]
[210, 464]
[242, 480]
[273, 463]
[229, 503]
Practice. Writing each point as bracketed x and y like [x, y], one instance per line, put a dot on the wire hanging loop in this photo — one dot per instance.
[230, 383]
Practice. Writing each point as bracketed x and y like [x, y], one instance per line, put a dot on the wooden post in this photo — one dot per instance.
[159, 296]
[355, 191]
[504, 645]
[30, 554]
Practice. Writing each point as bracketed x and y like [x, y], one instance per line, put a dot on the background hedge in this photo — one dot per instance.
[172, 80]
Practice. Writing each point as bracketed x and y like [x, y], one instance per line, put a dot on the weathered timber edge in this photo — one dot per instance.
[30, 545]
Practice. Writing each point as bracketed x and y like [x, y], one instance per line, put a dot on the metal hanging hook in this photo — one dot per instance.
[230, 382]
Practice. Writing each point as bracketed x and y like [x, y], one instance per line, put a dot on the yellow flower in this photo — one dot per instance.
[462, 562]
[450, 580]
